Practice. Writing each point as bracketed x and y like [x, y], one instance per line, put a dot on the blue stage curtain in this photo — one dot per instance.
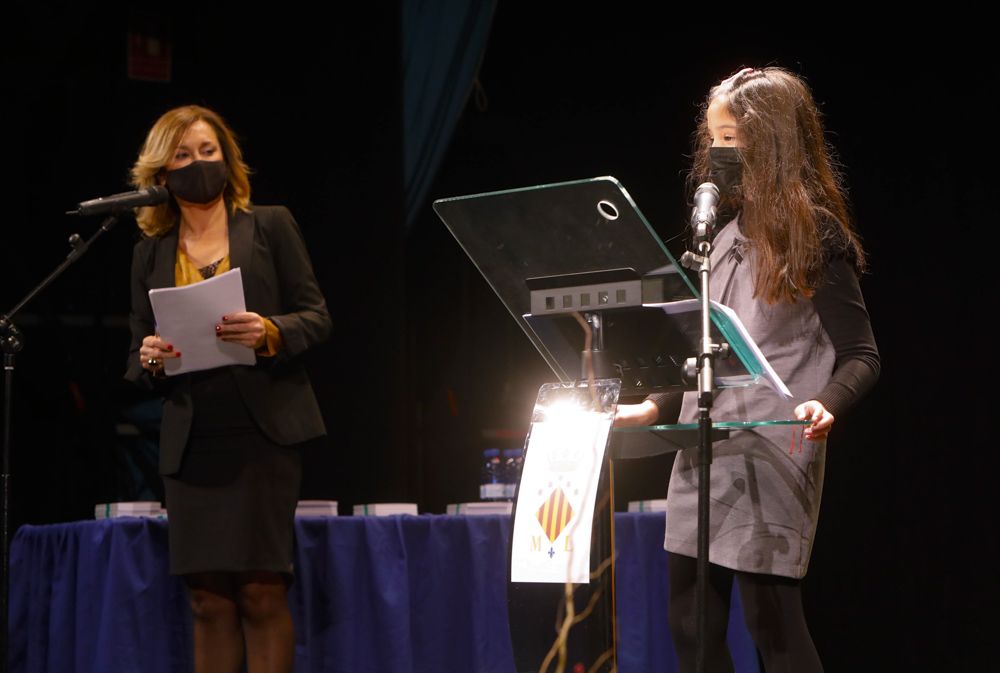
[371, 595]
[443, 45]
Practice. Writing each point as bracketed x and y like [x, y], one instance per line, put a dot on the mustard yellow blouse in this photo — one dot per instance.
[186, 272]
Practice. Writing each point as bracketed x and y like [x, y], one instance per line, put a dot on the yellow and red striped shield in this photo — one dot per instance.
[554, 514]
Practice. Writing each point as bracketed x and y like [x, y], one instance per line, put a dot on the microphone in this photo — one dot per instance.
[706, 197]
[147, 196]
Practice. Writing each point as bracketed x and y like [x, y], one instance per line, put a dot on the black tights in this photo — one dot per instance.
[772, 608]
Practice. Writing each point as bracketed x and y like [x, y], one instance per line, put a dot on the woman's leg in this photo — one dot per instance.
[683, 575]
[218, 634]
[772, 608]
[262, 597]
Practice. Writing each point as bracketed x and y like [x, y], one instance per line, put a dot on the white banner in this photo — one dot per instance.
[555, 505]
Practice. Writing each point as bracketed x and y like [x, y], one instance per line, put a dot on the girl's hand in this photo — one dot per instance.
[644, 413]
[822, 420]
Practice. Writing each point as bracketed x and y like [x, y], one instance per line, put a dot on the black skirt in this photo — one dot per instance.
[231, 507]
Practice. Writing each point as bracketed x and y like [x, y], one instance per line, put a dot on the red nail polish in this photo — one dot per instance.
[170, 347]
[218, 328]
[178, 353]
[225, 318]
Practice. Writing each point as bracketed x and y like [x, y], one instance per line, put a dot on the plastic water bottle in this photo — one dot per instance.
[512, 461]
[491, 485]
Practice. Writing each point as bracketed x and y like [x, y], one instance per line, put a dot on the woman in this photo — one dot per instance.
[786, 259]
[227, 442]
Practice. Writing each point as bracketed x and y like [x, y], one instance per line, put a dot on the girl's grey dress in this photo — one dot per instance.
[767, 483]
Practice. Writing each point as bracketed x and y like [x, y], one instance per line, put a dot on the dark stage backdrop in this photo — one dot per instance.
[316, 104]
[426, 368]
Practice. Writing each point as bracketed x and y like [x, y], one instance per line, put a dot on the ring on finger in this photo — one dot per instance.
[153, 362]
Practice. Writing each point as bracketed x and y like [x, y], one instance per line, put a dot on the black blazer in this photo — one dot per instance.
[279, 284]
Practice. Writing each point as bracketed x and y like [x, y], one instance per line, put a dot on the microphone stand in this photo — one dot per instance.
[11, 342]
[705, 366]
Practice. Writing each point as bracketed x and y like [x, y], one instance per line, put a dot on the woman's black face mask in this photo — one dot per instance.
[198, 182]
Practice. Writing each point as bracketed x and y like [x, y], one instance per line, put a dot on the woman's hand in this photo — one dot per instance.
[644, 413]
[246, 329]
[154, 351]
[822, 420]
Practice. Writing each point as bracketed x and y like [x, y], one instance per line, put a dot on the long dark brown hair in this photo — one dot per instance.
[792, 203]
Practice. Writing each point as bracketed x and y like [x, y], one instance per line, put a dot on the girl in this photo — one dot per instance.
[786, 259]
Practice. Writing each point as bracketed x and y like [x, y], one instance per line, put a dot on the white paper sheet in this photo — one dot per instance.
[769, 376]
[186, 317]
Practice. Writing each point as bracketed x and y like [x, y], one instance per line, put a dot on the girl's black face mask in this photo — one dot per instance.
[198, 182]
[725, 169]
[726, 173]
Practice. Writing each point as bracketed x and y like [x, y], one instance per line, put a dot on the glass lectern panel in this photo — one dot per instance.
[554, 253]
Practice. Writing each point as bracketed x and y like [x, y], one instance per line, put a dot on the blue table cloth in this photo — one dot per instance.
[387, 594]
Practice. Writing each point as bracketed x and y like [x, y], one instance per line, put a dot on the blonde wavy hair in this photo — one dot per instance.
[158, 150]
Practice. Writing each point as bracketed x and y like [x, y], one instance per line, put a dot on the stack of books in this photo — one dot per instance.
[481, 508]
[648, 505]
[316, 508]
[113, 510]
[386, 509]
